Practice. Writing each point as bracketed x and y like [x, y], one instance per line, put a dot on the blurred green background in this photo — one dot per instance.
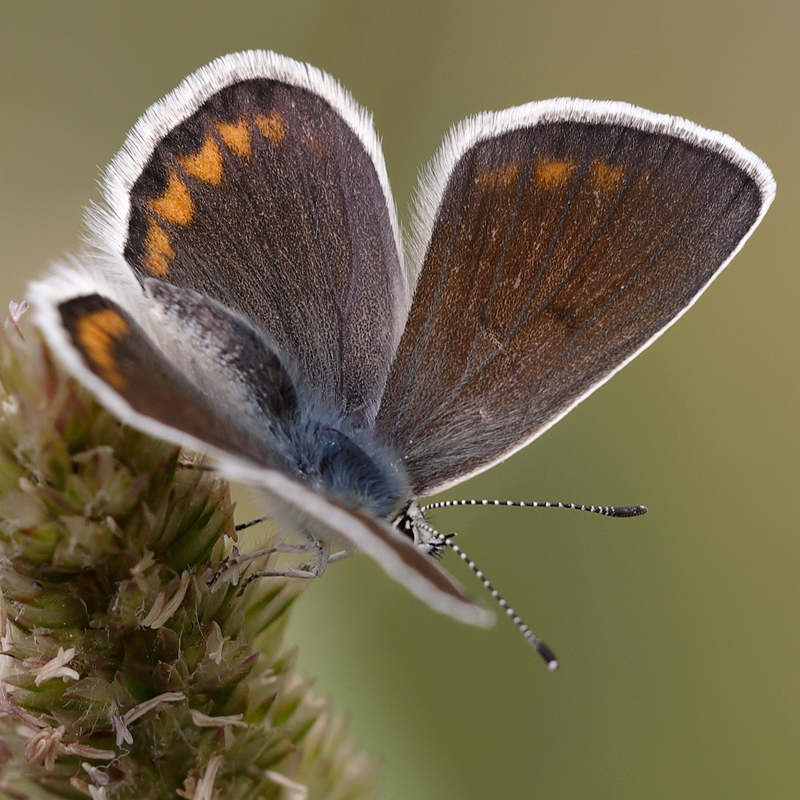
[677, 632]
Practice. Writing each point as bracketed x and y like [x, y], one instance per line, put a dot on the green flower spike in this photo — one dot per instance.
[123, 673]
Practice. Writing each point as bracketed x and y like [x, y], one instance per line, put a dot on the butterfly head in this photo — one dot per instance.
[412, 523]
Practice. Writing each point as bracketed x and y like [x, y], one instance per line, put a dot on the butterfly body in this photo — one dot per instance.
[247, 293]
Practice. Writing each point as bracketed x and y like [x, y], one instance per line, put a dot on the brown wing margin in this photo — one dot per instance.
[558, 252]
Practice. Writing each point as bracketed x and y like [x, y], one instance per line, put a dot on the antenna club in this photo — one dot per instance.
[548, 655]
[533, 640]
[629, 511]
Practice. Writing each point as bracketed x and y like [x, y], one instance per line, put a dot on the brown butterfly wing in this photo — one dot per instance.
[558, 250]
[267, 200]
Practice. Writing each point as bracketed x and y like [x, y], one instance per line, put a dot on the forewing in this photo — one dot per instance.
[559, 240]
[261, 184]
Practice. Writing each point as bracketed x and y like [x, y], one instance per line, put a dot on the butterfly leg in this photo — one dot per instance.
[251, 522]
[234, 563]
[324, 556]
[312, 569]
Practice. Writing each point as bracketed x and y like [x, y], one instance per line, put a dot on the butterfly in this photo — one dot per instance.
[247, 292]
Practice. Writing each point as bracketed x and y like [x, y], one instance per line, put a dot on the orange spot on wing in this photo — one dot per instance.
[206, 163]
[175, 205]
[158, 251]
[272, 127]
[500, 178]
[553, 174]
[235, 135]
[97, 335]
[604, 177]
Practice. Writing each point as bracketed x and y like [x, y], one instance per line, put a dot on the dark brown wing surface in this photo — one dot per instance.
[267, 201]
[557, 252]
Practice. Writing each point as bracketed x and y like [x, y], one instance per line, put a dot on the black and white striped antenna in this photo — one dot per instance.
[443, 540]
